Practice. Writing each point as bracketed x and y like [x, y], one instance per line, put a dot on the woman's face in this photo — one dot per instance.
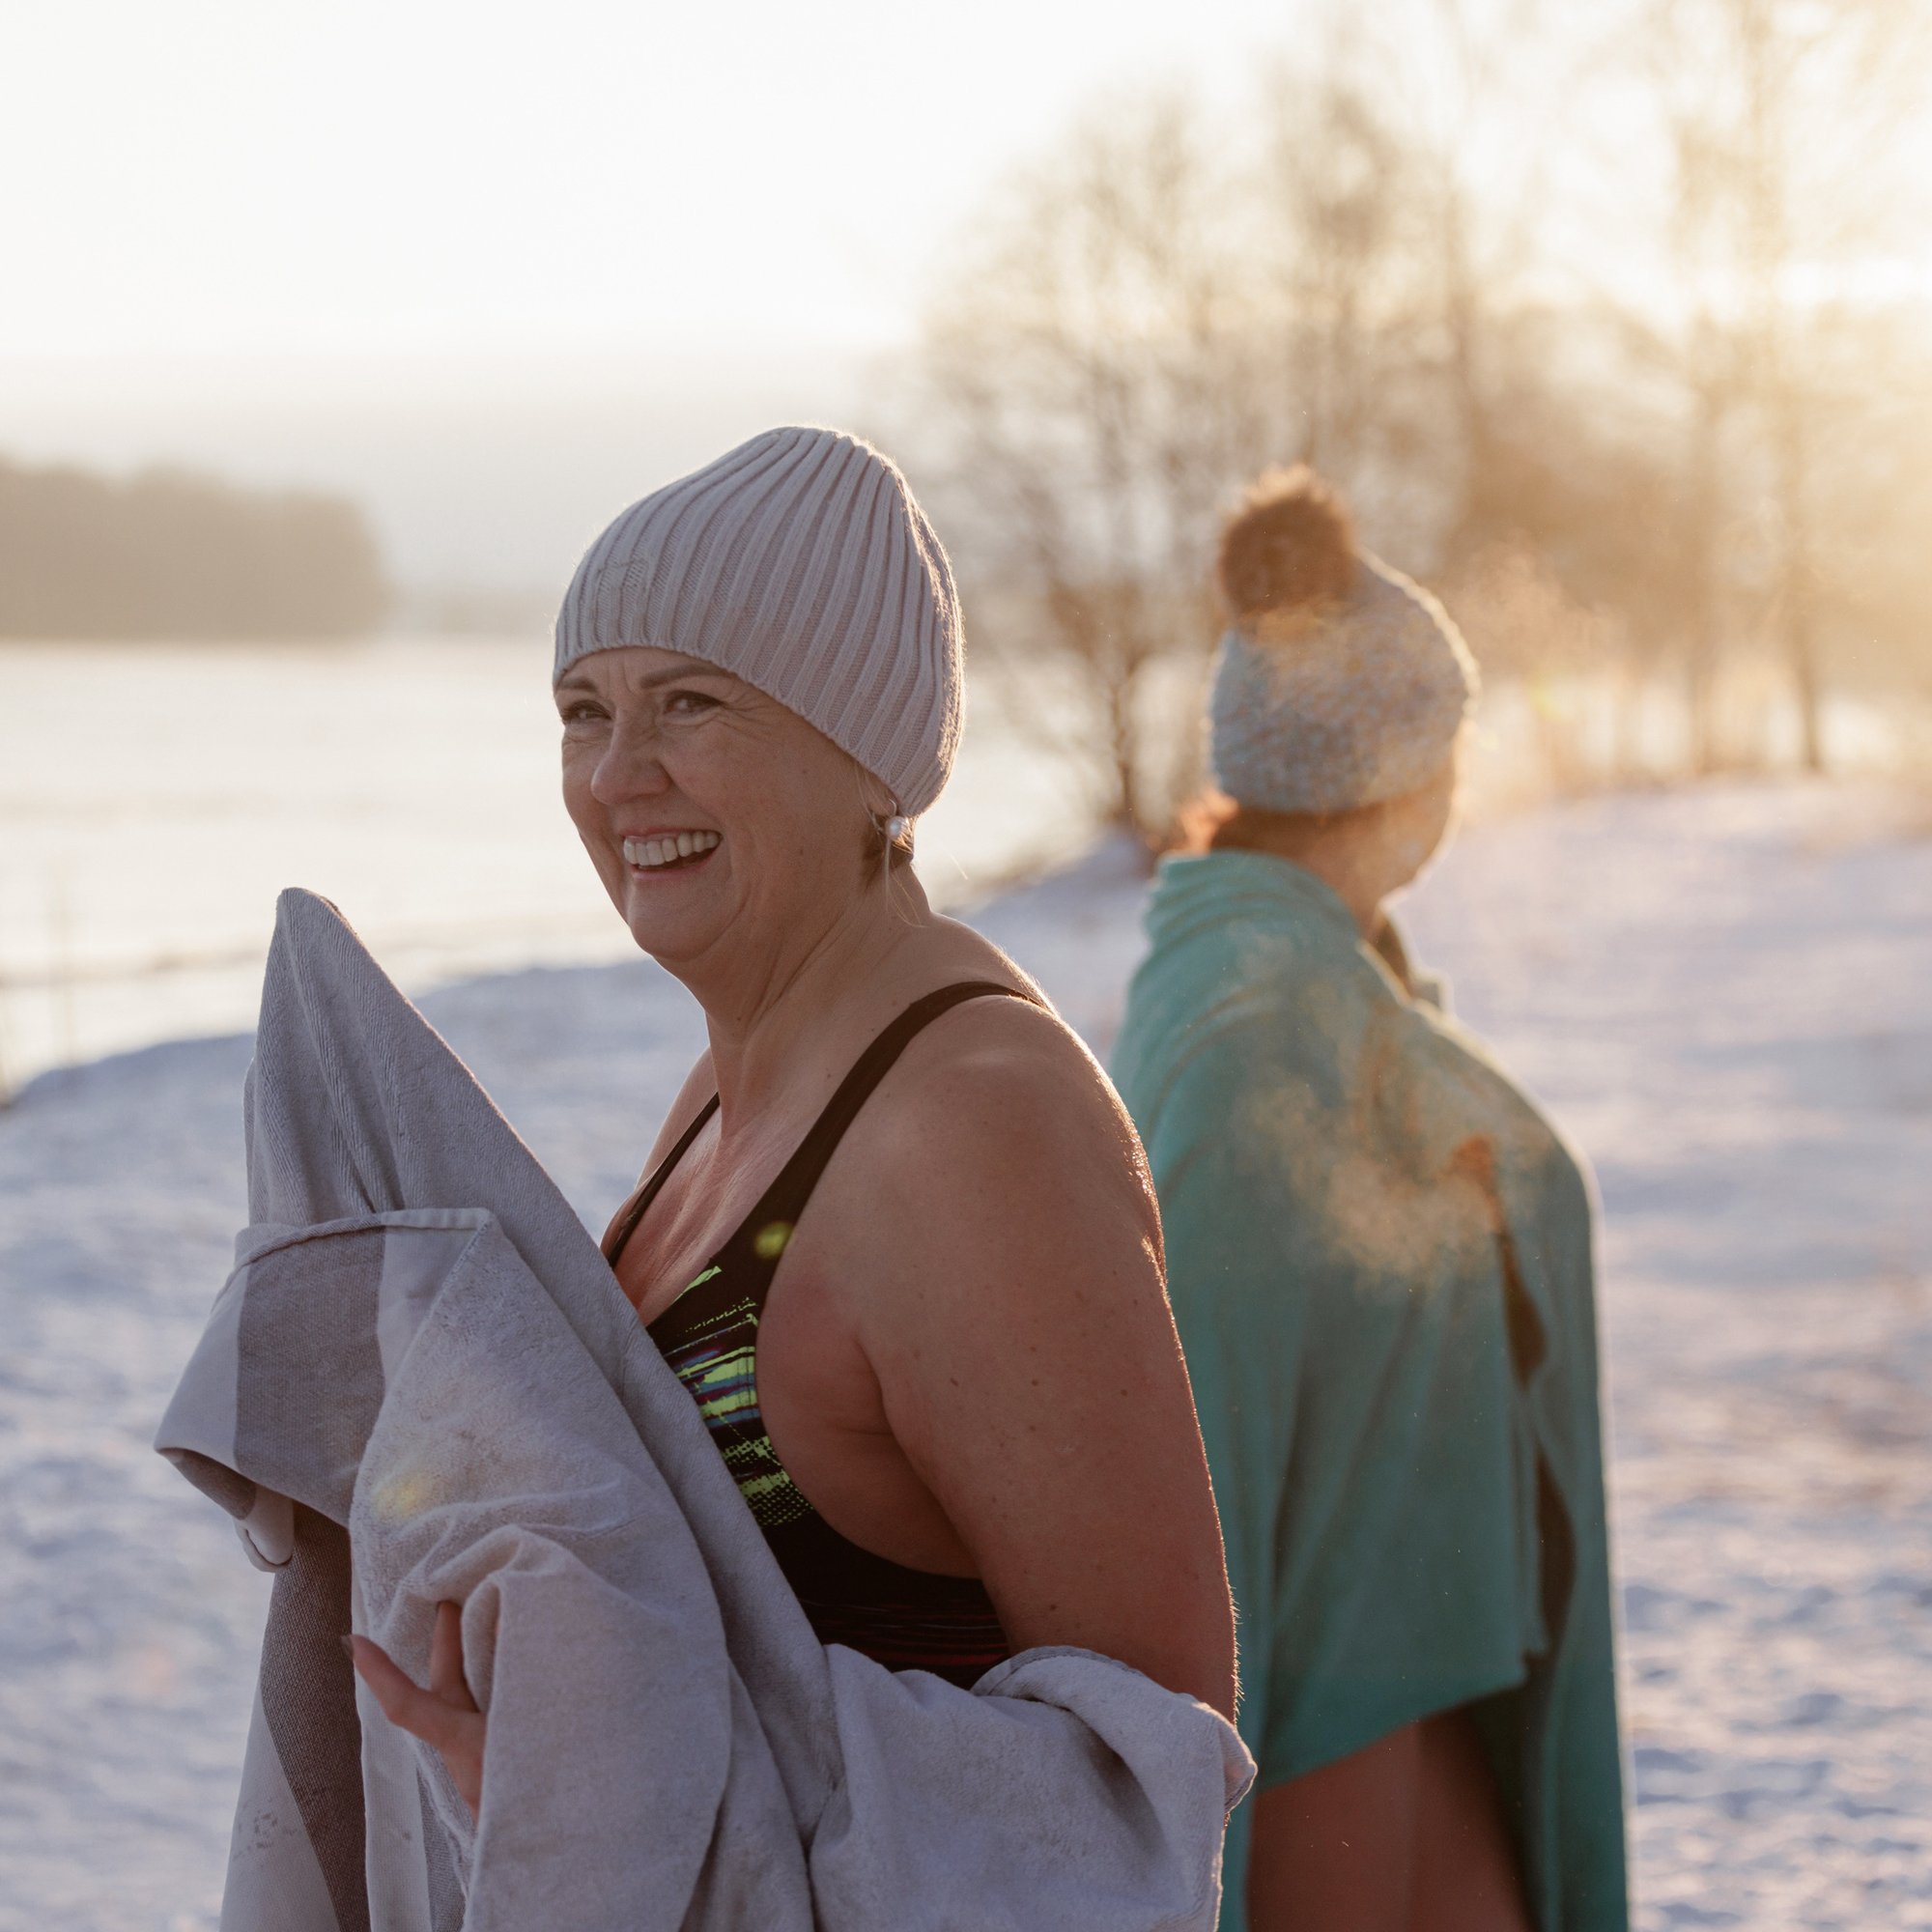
[706, 807]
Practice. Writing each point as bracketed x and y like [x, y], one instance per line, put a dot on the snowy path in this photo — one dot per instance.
[1727, 1005]
[1719, 995]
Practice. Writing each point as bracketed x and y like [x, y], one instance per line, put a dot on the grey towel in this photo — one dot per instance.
[423, 1383]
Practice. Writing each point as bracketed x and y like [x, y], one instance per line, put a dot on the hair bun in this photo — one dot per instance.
[1291, 545]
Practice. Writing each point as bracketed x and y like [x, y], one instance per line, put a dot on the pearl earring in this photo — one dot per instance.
[895, 827]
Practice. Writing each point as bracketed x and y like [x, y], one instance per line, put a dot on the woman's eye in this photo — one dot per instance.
[580, 714]
[689, 703]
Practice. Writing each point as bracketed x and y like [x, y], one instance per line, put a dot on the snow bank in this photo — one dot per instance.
[1720, 994]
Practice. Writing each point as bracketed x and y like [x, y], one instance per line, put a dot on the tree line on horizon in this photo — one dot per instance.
[168, 554]
[1585, 312]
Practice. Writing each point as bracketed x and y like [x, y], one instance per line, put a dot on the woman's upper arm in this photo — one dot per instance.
[1029, 1368]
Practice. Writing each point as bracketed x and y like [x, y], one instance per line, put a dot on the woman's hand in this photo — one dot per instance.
[445, 1717]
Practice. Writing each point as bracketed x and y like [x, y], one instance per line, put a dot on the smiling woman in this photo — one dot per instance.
[801, 806]
[896, 1236]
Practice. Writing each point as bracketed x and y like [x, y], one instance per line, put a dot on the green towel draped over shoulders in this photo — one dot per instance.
[1381, 1259]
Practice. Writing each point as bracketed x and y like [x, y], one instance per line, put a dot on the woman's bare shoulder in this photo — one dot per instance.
[1019, 1048]
[1001, 1125]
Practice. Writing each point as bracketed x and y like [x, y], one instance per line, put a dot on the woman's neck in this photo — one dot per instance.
[802, 1014]
[1351, 874]
[1342, 860]
[1365, 857]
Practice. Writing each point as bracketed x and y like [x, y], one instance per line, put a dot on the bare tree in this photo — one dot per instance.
[1698, 345]
[1335, 184]
[1786, 117]
[1143, 321]
[1082, 376]
[1393, 266]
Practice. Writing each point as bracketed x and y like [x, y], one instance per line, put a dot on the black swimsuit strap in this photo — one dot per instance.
[784, 1201]
[648, 1192]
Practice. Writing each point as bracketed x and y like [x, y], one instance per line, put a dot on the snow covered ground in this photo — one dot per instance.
[1720, 994]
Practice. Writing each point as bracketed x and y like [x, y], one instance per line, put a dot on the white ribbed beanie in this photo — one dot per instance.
[801, 563]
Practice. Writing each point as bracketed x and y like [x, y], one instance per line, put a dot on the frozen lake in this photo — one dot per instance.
[155, 797]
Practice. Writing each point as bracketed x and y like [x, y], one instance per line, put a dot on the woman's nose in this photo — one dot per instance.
[630, 767]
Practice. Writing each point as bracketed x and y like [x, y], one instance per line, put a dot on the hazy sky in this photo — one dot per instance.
[492, 267]
[235, 175]
[498, 269]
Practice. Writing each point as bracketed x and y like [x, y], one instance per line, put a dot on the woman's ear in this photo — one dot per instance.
[879, 803]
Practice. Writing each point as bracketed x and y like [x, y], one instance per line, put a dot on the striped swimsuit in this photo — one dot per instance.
[906, 1619]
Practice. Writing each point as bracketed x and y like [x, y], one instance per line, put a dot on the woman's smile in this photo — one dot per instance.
[656, 853]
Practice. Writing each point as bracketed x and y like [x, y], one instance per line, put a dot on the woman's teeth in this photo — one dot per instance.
[668, 847]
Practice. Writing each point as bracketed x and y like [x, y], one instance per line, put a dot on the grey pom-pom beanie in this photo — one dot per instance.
[799, 562]
[1362, 706]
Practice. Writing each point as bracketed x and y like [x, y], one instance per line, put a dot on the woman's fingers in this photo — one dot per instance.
[445, 1660]
[445, 1716]
[404, 1702]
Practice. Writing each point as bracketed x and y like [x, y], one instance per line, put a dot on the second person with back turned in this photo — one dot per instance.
[1379, 1257]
